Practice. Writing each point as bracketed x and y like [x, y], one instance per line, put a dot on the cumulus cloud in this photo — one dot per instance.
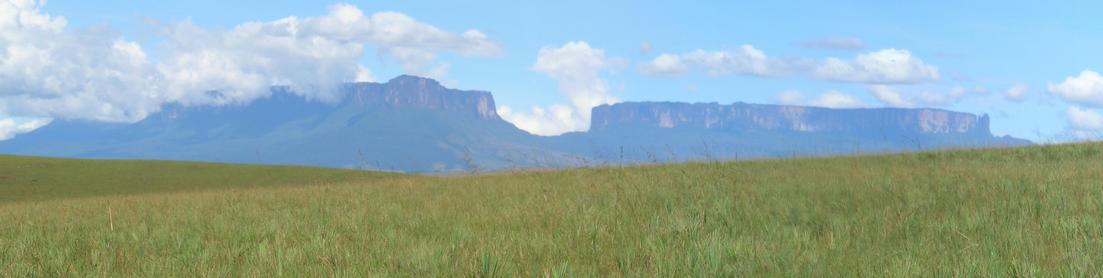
[829, 99]
[414, 43]
[10, 127]
[790, 97]
[666, 64]
[958, 92]
[1017, 92]
[46, 70]
[554, 120]
[364, 74]
[929, 98]
[1084, 119]
[51, 71]
[315, 54]
[577, 68]
[834, 99]
[887, 66]
[240, 64]
[1084, 89]
[892, 97]
[841, 43]
[747, 60]
[889, 96]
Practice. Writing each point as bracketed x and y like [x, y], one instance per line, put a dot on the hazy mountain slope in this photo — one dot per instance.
[661, 131]
[407, 124]
[415, 124]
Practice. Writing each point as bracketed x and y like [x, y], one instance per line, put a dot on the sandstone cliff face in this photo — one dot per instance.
[743, 116]
[422, 93]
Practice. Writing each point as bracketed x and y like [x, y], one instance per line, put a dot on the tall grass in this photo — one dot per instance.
[25, 179]
[1005, 212]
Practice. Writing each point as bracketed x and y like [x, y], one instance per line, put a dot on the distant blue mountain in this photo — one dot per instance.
[414, 124]
[663, 131]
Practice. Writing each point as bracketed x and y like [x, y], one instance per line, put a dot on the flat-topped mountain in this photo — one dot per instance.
[414, 124]
[407, 124]
[745, 116]
[408, 91]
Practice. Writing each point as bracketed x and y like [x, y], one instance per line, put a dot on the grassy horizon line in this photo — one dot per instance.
[1033, 211]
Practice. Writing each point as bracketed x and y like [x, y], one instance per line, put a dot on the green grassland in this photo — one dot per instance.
[998, 212]
[33, 179]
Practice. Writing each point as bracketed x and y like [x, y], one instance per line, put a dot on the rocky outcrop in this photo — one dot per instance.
[408, 91]
[744, 116]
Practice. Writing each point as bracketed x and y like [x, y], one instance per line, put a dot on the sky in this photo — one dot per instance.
[1032, 66]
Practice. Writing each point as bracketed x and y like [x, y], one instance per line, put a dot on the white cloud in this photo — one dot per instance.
[834, 99]
[790, 97]
[933, 99]
[892, 97]
[1017, 92]
[1084, 119]
[439, 72]
[411, 42]
[47, 70]
[666, 64]
[364, 75]
[556, 119]
[889, 96]
[1084, 89]
[844, 43]
[314, 53]
[577, 67]
[959, 92]
[745, 61]
[18, 14]
[887, 66]
[829, 99]
[241, 63]
[10, 128]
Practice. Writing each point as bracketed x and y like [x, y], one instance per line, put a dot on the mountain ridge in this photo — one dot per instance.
[415, 124]
[789, 117]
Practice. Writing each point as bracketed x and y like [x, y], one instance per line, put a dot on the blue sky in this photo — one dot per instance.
[980, 50]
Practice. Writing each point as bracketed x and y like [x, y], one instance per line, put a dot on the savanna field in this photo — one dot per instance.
[997, 212]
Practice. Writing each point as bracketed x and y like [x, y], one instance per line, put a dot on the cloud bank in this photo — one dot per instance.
[745, 61]
[892, 97]
[886, 66]
[46, 70]
[828, 99]
[50, 71]
[10, 128]
[1084, 89]
[1084, 92]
